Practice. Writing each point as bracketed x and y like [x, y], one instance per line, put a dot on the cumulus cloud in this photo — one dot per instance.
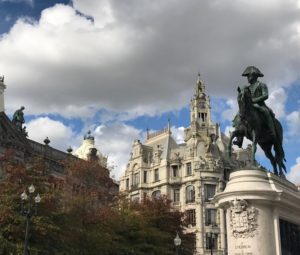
[229, 113]
[178, 134]
[276, 101]
[59, 134]
[141, 57]
[294, 174]
[115, 141]
[293, 122]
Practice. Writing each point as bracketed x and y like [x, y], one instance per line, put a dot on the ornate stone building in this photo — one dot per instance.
[88, 150]
[189, 174]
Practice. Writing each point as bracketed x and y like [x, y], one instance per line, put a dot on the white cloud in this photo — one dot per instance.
[231, 111]
[142, 57]
[293, 122]
[115, 141]
[178, 134]
[59, 134]
[294, 174]
[277, 101]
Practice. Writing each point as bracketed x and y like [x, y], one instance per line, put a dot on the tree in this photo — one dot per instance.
[88, 196]
[45, 230]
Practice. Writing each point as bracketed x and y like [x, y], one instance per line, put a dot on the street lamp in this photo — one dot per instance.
[211, 242]
[177, 243]
[26, 210]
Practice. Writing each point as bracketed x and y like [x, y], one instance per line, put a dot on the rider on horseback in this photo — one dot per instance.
[259, 93]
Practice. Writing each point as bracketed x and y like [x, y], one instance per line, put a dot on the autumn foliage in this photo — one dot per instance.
[82, 214]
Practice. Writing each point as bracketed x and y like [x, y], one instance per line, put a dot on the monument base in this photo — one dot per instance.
[258, 205]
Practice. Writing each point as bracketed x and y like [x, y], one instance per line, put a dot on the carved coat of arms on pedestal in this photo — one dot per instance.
[243, 219]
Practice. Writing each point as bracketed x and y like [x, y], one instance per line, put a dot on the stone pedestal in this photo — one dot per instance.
[255, 202]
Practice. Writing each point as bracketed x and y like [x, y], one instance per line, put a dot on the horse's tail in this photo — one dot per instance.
[279, 152]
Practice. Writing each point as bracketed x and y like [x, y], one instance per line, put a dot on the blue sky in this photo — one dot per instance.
[120, 67]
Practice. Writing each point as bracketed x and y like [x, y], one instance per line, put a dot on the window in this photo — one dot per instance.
[136, 179]
[156, 194]
[189, 169]
[190, 194]
[211, 241]
[210, 217]
[209, 191]
[175, 171]
[191, 217]
[145, 196]
[176, 195]
[127, 183]
[145, 176]
[156, 175]
[135, 198]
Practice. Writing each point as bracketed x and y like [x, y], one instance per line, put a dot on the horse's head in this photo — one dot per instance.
[244, 101]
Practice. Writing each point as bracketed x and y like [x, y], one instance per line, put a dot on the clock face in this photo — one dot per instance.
[201, 105]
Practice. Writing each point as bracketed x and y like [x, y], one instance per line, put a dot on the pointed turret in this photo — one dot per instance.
[2, 88]
[200, 105]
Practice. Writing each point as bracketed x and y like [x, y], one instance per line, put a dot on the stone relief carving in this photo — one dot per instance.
[243, 219]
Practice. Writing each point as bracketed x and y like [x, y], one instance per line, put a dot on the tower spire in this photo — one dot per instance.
[169, 124]
[2, 88]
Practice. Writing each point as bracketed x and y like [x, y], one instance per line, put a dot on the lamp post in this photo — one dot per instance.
[177, 243]
[26, 210]
[211, 242]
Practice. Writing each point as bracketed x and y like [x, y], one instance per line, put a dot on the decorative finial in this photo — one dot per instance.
[88, 136]
[47, 141]
[169, 124]
[70, 150]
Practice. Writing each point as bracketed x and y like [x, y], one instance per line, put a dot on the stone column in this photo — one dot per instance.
[254, 201]
[222, 229]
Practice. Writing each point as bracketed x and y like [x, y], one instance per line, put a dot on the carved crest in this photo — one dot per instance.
[243, 219]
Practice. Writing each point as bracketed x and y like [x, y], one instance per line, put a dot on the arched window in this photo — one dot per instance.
[156, 194]
[190, 194]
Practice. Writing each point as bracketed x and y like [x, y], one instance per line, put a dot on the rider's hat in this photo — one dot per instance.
[252, 70]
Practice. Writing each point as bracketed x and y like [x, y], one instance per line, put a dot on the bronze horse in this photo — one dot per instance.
[250, 123]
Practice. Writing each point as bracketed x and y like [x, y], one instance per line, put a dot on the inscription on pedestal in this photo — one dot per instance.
[241, 249]
[243, 219]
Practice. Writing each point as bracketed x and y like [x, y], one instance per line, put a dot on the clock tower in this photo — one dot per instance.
[200, 106]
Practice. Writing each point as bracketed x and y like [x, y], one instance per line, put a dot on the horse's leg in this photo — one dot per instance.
[229, 147]
[267, 148]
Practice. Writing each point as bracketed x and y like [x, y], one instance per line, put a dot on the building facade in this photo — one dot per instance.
[189, 174]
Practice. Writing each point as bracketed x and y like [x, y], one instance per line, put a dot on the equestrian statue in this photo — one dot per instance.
[257, 122]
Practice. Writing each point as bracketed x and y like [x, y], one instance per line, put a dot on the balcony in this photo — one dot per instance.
[175, 180]
[134, 187]
[176, 204]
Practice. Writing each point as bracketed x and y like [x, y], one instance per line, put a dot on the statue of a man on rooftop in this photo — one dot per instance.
[18, 118]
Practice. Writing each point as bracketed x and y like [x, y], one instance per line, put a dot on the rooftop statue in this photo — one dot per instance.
[18, 119]
[257, 122]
